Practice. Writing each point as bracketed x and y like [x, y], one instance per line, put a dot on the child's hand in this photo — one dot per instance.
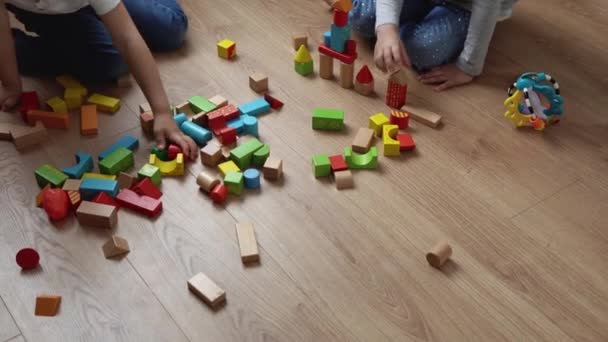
[390, 53]
[445, 77]
[9, 97]
[165, 128]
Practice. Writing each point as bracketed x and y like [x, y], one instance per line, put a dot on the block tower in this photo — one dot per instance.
[338, 45]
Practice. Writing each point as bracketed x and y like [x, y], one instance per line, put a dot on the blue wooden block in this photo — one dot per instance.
[237, 123]
[250, 125]
[128, 141]
[90, 187]
[252, 178]
[339, 36]
[196, 132]
[327, 38]
[84, 163]
[180, 119]
[255, 107]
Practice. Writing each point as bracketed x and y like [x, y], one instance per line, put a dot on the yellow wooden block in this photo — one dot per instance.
[68, 82]
[376, 122]
[226, 49]
[58, 105]
[73, 98]
[168, 168]
[226, 167]
[98, 176]
[389, 135]
[105, 103]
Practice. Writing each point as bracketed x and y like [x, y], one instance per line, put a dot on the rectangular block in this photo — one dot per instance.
[242, 155]
[237, 124]
[227, 167]
[338, 163]
[117, 161]
[363, 140]
[90, 187]
[73, 98]
[47, 305]
[255, 107]
[71, 185]
[326, 66]
[248, 245]
[376, 122]
[125, 180]
[321, 166]
[258, 82]
[88, 120]
[185, 108]
[57, 105]
[96, 215]
[200, 104]
[94, 175]
[48, 119]
[219, 101]
[105, 103]
[339, 36]
[143, 204]
[327, 119]
[46, 174]
[207, 290]
[128, 142]
[424, 116]
[347, 74]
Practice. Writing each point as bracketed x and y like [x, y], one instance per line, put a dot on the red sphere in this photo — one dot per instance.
[27, 258]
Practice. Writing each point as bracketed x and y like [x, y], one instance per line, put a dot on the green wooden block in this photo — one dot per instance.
[161, 154]
[367, 160]
[260, 156]
[235, 182]
[152, 172]
[304, 69]
[321, 166]
[201, 104]
[243, 154]
[46, 174]
[328, 119]
[117, 161]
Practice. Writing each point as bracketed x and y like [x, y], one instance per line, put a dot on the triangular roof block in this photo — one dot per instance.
[303, 56]
[364, 75]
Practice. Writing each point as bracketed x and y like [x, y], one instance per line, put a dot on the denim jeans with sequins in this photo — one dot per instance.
[433, 32]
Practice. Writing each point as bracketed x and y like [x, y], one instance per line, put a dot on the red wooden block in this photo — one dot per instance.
[274, 103]
[227, 135]
[216, 121]
[143, 204]
[173, 151]
[338, 163]
[219, 193]
[340, 18]
[346, 57]
[146, 188]
[395, 94]
[351, 48]
[29, 101]
[364, 75]
[104, 198]
[399, 118]
[230, 112]
[56, 204]
[406, 142]
[27, 258]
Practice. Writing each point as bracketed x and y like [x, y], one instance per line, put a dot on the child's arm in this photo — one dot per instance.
[9, 74]
[134, 50]
[389, 53]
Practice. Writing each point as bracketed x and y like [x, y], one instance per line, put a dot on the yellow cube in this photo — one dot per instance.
[376, 122]
[105, 103]
[73, 98]
[226, 167]
[391, 145]
[58, 105]
[226, 49]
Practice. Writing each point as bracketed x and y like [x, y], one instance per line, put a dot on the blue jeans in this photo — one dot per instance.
[79, 44]
[433, 32]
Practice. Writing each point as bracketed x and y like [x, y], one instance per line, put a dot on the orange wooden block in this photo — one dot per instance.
[88, 120]
[48, 119]
[47, 305]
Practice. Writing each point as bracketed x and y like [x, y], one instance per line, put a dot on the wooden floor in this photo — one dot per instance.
[526, 212]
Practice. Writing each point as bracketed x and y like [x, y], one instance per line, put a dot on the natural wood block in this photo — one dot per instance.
[184, 108]
[207, 181]
[146, 120]
[258, 82]
[71, 185]
[247, 242]
[115, 246]
[299, 39]
[365, 89]
[273, 168]
[96, 215]
[47, 305]
[344, 179]
[439, 254]
[347, 73]
[422, 115]
[25, 136]
[125, 180]
[211, 155]
[363, 140]
[326, 66]
[219, 101]
[88, 120]
[207, 290]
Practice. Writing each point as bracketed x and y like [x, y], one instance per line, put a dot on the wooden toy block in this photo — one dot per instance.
[128, 142]
[346, 75]
[236, 123]
[207, 290]
[117, 161]
[40, 196]
[71, 185]
[304, 69]
[396, 90]
[273, 169]
[338, 163]
[48, 119]
[115, 246]
[90, 187]
[105, 103]
[235, 182]
[344, 179]
[56, 204]
[27, 258]
[219, 101]
[439, 254]
[164, 154]
[143, 204]
[227, 135]
[230, 112]
[226, 49]
[227, 167]
[338, 38]
[376, 122]
[47, 305]
[146, 120]
[211, 155]
[103, 198]
[145, 107]
[342, 5]
[274, 102]
[207, 181]
[88, 120]
[340, 17]
[302, 55]
[303, 62]
[406, 142]
[363, 140]
[172, 151]
[26, 136]
[389, 142]
[255, 107]
[73, 98]
[126, 180]
[46, 174]
[243, 154]
[219, 193]
[248, 245]
[355, 160]
[96, 215]
[200, 135]
[152, 172]
[258, 82]
[185, 108]
[145, 187]
[424, 116]
[299, 39]
[326, 66]
[57, 105]
[260, 156]
[250, 125]
[201, 119]
[84, 163]
[216, 121]
[321, 166]
[169, 168]
[327, 119]
[75, 199]
[5, 131]
[252, 178]
[94, 175]
[226, 150]
[68, 82]
[27, 102]
[399, 118]
[364, 82]
[200, 104]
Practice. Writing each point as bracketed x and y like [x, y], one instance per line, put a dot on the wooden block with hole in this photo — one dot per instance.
[115, 246]
[424, 116]
[47, 305]
[207, 290]
[363, 140]
[96, 215]
[258, 82]
[247, 242]
[88, 120]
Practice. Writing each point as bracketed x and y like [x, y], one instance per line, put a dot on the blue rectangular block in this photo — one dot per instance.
[255, 107]
[84, 163]
[90, 187]
[128, 141]
[327, 38]
[339, 36]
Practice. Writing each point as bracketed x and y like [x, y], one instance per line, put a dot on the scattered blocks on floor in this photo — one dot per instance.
[219, 193]
[344, 179]
[48, 119]
[367, 160]
[424, 116]
[327, 119]
[115, 246]
[211, 155]
[252, 178]
[321, 166]
[96, 215]
[255, 107]
[273, 169]
[376, 122]
[338, 163]
[248, 245]
[207, 290]
[57, 104]
[227, 167]
[128, 142]
[142, 204]
[117, 161]
[226, 49]
[169, 168]
[90, 187]
[439, 254]
[363, 140]
[258, 82]
[47, 305]
[234, 181]
[105, 103]
[406, 142]
[206, 181]
[299, 39]
[88, 120]
[145, 187]
[46, 174]
[389, 142]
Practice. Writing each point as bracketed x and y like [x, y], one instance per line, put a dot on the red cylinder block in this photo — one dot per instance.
[340, 18]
